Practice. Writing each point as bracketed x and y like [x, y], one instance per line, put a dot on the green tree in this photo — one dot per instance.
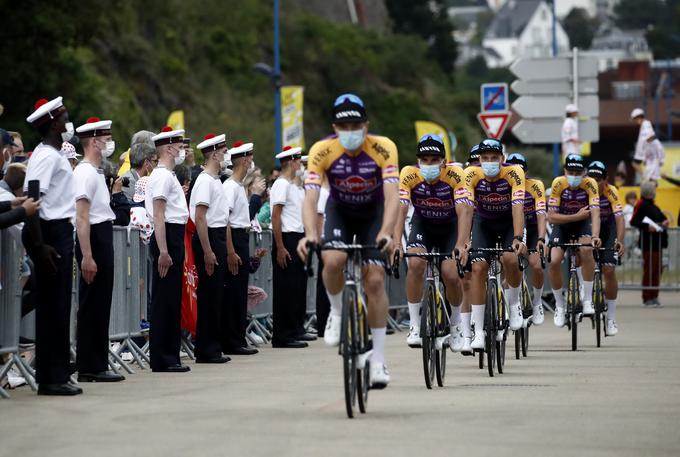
[580, 28]
[639, 14]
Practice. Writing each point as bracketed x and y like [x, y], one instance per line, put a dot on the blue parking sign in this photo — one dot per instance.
[494, 97]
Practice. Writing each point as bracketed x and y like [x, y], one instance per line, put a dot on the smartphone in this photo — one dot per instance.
[34, 189]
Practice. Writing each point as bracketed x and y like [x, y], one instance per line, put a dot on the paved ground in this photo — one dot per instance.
[622, 399]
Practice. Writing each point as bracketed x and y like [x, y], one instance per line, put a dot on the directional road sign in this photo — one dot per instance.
[554, 87]
[494, 123]
[540, 106]
[547, 130]
[553, 68]
[494, 97]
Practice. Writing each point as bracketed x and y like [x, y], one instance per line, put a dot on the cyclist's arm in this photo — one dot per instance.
[401, 222]
[309, 212]
[540, 218]
[620, 228]
[391, 191]
[595, 218]
[464, 213]
[594, 203]
[518, 220]
[516, 179]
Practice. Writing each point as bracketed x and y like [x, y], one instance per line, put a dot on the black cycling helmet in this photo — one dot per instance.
[597, 169]
[349, 108]
[431, 144]
[474, 154]
[574, 162]
[490, 145]
[517, 159]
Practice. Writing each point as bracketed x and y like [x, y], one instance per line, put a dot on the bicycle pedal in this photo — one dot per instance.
[361, 360]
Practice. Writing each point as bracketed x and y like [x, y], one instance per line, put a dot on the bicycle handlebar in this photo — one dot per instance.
[347, 248]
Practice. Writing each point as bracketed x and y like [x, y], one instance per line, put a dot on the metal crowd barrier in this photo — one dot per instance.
[261, 317]
[631, 272]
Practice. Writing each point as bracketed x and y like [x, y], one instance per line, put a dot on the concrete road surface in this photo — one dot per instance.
[620, 400]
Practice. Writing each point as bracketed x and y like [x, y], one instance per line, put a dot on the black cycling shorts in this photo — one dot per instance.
[531, 238]
[343, 223]
[573, 231]
[486, 233]
[608, 237]
[425, 234]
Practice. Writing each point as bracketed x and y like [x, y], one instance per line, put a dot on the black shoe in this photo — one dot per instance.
[213, 360]
[305, 337]
[242, 351]
[173, 369]
[103, 376]
[389, 331]
[292, 344]
[65, 389]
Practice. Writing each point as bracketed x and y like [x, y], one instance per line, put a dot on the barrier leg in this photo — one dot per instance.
[3, 373]
[136, 352]
[121, 362]
[188, 348]
[26, 372]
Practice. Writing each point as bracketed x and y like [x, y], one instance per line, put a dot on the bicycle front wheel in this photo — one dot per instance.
[573, 300]
[440, 356]
[364, 345]
[598, 304]
[490, 322]
[428, 334]
[348, 348]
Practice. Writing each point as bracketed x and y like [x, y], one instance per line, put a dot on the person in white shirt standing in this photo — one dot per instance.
[94, 253]
[235, 301]
[649, 154]
[167, 206]
[571, 143]
[210, 214]
[290, 278]
[49, 242]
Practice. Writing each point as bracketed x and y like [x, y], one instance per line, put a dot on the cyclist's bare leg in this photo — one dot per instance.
[480, 270]
[513, 276]
[611, 290]
[465, 307]
[537, 282]
[588, 269]
[414, 285]
[374, 286]
[454, 291]
[555, 274]
[334, 278]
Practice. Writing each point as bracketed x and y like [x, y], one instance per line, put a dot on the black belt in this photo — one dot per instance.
[55, 221]
[239, 230]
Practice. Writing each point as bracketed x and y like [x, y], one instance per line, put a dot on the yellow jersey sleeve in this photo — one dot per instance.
[612, 195]
[590, 186]
[453, 175]
[317, 164]
[409, 178]
[536, 189]
[384, 152]
[558, 186]
[514, 175]
[466, 193]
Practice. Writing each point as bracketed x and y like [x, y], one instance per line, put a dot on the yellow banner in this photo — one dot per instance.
[176, 120]
[425, 127]
[292, 107]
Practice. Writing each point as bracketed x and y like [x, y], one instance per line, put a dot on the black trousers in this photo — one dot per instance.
[290, 291]
[235, 299]
[166, 301]
[94, 304]
[209, 294]
[323, 305]
[53, 310]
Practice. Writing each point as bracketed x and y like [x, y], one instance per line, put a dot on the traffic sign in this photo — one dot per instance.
[547, 68]
[541, 106]
[494, 123]
[547, 130]
[554, 87]
[494, 97]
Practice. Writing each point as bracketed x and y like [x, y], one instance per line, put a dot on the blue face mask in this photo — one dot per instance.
[491, 169]
[351, 139]
[430, 172]
[574, 181]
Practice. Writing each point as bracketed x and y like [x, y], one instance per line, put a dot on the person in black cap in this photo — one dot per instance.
[473, 159]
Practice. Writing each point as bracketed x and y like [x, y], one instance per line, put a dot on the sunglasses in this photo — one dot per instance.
[431, 136]
[348, 97]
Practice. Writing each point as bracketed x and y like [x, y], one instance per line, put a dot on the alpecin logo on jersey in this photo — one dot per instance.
[434, 203]
[494, 198]
[460, 192]
[355, 184]
[518, 193]
[390, 169]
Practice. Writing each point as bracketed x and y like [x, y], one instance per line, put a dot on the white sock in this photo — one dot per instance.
[538, 292]
[478, 317]
[455, 315]
[559, 298]
[579, 272]
[588, 291]
[336, 303]
[414, 314]
[512, 295]
[378, 336]
[611, 309]
[465, 320]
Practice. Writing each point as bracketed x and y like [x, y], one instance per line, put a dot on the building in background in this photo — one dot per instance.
[612, 45]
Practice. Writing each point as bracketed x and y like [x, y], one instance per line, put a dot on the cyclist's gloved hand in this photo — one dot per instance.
[461, 253]
[385, 240]
[302, 248]
[620, 249]
[540, 247]
[519, 247]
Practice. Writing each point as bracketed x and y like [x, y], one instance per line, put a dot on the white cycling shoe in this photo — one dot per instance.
[516, 318]
[413, 339]
[612, 329]
[332, 333]
[456, 340]
[560, 317]
[537, 316]
[588, 309]
[379, 376]
[467, 346]
[478, 340]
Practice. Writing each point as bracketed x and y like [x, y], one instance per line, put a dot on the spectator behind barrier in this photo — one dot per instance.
[12, 185]
[143, 159]
[15, 210]
[18, 153]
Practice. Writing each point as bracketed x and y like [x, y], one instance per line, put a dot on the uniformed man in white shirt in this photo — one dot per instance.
[167, 207]
[235, 301]
[49, 242]
[649, 154]
[94, 253]
[210, 214]
[290, 278]
[571, 143]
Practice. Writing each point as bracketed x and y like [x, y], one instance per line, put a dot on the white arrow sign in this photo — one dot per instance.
[553, 68]
[554, 87]
[549, 130]
[553, 106]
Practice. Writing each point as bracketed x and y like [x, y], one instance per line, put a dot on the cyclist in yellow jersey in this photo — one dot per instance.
[612, 231]
[574, 212]
[534, 218]
[497, 192]
[363, 176]
[431, 188]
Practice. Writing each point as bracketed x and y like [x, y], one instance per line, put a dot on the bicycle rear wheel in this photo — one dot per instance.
[518, 343]
[525, 341]
[440, 356]
[501, 323]
[573, 299]
[598, 304]
[364, 345]
[490, 321]
[348, 348]
[428, 335]
[527, 313]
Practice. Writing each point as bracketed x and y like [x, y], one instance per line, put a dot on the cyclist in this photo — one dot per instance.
[497, 192]
[363, 175]
[473, 158]
[612, 231]
[431, 188]
[574, 212]
[534, 218]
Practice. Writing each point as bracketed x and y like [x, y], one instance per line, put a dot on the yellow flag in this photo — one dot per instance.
[125, 166]
[425, 127]
[585, 148]
[292, 105]
[176, 120]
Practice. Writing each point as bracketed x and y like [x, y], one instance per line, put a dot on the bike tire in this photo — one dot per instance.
[518, 343]
[440, 361]
[481, 360]
[348, 349]
[490, 322]
[574, 300]
[428, 335]
[598, 304]
[500, 345]
[525, 341]
[363, 374]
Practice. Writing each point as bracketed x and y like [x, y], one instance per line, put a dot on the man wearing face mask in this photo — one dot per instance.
[574, 212]
[496, 191]
[6, 145]
[210, 215]
[94, 253]
[363, 174]
[49, 242]
[167, 207]
[431, 188]
[290, 278]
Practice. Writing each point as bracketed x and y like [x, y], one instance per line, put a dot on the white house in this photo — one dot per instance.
[522, 28]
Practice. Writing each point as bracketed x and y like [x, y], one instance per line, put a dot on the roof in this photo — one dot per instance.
[512, 18]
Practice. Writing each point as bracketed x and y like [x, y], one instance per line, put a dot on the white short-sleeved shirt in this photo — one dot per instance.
[56, 182]
[237, 202]
[89, 184]
[164, 185]
[651, 153]
[208, 191]
[6, 196]
[291, 196]
[569, 137]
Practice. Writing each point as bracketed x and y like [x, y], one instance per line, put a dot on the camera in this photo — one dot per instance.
[126, 182]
